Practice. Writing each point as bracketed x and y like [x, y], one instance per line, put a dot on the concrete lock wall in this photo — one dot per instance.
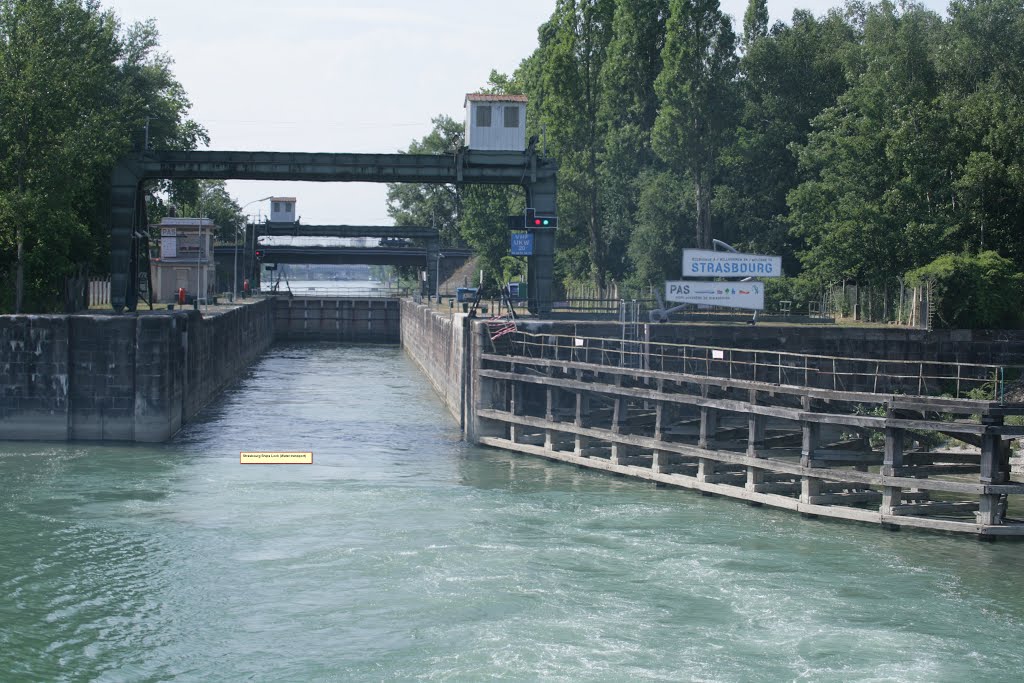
[438, 344]
[368, 321]
[121, 378]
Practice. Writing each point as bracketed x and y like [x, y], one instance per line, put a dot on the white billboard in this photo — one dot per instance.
[707, 263]
[748, 295]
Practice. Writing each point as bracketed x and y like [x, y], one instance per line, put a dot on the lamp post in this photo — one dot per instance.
[234, 279]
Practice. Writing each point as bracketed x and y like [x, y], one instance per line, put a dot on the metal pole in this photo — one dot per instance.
[234, 276]
[199, 250]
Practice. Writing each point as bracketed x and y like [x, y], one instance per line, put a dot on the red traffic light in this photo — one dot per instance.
[535, 221]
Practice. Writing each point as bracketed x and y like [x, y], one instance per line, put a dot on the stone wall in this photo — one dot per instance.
[366, 321]
[437, 342]
[121, 377]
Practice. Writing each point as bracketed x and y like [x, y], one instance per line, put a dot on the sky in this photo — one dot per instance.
[346, 76]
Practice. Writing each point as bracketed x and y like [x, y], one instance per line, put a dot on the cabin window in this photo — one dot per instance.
[483, 116]
[511, 117]
[277, 207]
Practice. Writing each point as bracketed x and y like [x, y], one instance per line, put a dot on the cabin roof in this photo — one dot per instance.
[482, 97]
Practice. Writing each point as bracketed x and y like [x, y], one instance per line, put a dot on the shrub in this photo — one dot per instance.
[969, 291]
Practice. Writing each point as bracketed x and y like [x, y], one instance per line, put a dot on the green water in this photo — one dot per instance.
[403, 553]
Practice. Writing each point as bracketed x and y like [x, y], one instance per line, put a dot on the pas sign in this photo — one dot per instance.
[730, 294]
[707, 263]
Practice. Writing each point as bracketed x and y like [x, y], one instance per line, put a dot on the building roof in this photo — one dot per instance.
[482, 97]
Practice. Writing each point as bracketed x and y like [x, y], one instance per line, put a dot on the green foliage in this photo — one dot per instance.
[787, 78]
[664, 226]
[698, 99]
[973, 291]
[475, 215]
[75, 91]
[482, 224]
[755, 22]
[430, 205]
[799, 291]
[202, 198]
[628, 108]
[571, 57]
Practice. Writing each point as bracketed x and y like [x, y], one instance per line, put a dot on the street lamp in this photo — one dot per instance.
[234, 280]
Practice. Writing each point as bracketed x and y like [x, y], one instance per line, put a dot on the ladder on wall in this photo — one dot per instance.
[629, 318]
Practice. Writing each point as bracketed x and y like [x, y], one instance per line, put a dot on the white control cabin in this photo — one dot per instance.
[496, 122]
[282, 209]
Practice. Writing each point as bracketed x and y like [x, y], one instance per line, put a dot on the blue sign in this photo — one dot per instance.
[522, 244]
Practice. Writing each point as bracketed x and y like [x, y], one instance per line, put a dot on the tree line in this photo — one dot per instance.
[78, 91]
[879, 143]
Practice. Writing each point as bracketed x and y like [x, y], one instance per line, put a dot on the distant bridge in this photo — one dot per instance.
[535, 173]
[370, 256]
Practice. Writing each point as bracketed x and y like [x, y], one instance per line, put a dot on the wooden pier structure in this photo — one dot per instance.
[890, 442]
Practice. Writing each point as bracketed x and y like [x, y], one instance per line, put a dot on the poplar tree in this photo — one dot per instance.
[628, 108]
[572, 55]
[696, 91]
[755, 22]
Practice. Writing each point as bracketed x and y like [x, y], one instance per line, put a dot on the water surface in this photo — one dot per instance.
[404, 553]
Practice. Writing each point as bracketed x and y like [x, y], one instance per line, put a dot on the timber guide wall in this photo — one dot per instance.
[832, 436]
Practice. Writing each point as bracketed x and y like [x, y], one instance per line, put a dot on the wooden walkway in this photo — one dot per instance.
[713, 420]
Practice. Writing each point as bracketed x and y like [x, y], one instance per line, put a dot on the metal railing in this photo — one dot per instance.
[839, 373]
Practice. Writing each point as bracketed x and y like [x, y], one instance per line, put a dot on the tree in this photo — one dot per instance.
[982, 72]
[973, 291]
[786, 79]
[755, 22]
[206, 199]
[430, 204]
[74, 92]
[628, 108]
[572, 53]
[867, 209]
[665, 224]
[696, 92]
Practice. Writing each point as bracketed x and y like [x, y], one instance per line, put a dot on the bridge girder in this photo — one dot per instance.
[271, 229]
[370, 256]
[535, 173]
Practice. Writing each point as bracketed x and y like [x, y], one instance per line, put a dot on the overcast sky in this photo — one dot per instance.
[346, 76]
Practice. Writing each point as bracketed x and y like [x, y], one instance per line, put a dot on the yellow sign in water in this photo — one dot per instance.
[276, 458]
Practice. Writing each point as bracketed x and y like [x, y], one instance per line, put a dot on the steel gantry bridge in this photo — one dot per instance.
[535, 173]
[425, 255]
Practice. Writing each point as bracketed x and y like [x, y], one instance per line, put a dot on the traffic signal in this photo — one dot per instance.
[534, 220]
[259, 254]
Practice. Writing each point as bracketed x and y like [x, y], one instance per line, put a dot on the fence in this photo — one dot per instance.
[899, 304]
[915, 377]
[99, 292]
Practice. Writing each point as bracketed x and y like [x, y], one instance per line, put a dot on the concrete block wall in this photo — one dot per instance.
[361, 321]
[437, 342]
[121, 378]
[218, 349]
[34, 377]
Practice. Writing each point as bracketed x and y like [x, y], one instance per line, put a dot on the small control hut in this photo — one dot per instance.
[496, 122]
